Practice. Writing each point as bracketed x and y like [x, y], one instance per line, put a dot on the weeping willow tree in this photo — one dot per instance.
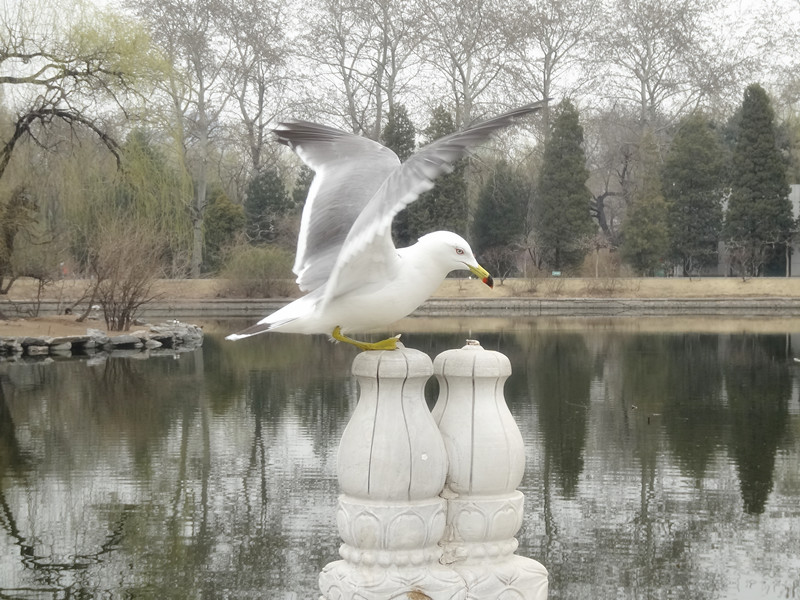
[89, 192]
[66, 65]
[151, 192]
[67, 68]
[126, 225]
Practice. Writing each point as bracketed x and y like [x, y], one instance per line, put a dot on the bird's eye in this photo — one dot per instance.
[459, 251]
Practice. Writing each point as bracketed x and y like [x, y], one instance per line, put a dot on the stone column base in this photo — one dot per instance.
[512, 578]
[341, 580]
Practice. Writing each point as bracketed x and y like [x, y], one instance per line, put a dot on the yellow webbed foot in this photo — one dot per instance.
[387, 344]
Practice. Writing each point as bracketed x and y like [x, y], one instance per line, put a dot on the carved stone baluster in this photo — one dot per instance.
[486, 462]
[391, 467]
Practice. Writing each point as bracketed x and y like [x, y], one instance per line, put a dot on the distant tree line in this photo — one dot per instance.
[155, 117]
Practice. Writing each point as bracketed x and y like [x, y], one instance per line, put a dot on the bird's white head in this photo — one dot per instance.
[454, 253]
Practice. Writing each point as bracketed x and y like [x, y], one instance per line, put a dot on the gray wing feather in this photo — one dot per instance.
[349, 169]
[401, 188]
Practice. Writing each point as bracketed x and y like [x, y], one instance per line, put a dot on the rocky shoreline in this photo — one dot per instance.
[168, 337]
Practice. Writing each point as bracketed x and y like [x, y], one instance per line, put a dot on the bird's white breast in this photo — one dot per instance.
[378, 305]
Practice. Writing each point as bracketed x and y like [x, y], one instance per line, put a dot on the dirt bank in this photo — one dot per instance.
[553, 288]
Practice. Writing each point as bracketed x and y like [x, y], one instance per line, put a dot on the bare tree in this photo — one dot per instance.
[754, 41]
[257, 70]
[189, 34]
[611, 139]
[396, 62]
[468, 44]
[125, 261]
[501, 261]
[336, 48]
[360, 50]
[664, 56]
[550, 44]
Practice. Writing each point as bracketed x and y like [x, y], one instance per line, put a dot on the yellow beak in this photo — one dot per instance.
[482, 274]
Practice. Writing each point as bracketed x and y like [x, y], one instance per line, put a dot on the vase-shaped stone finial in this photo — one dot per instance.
[486, 462]
[391, 467]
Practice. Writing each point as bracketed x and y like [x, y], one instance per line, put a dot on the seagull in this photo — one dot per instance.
[355, 277]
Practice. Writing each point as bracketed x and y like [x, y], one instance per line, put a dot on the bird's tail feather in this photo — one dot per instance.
[256, 329]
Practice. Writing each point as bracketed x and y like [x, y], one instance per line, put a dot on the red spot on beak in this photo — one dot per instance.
[488, 281]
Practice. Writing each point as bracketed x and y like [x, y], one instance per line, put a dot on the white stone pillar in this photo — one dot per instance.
[391, 467]
[486, 462]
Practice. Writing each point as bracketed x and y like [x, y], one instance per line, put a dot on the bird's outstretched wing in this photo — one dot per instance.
[371, 230]
[349, 170]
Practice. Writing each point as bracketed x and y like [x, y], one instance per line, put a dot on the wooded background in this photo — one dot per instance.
[672, 126]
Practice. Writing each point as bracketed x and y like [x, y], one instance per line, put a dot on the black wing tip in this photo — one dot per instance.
[511, 115]
[291, 133]
[295, 132]
[461, 141]
[530, 107]
[536, 106]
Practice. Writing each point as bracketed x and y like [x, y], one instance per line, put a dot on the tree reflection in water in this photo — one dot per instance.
[659, 464]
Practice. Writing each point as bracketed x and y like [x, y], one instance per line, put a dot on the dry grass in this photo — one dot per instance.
[618, 287]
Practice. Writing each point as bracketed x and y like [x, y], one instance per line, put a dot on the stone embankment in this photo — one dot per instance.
[171, 336]
[214, 308]
[613, 307]
[513, 307]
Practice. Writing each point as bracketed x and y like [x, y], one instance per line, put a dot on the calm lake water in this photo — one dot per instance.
[663, 461]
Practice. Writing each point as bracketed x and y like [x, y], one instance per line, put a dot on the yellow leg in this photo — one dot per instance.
[387, 344]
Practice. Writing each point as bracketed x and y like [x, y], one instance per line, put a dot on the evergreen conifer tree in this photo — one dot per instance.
[301, 186]
[645, 243]
[758, 223]
[692, 187]
[399, 135]
[446, 205]
[500, 218]
[561, 209]
[266, 203]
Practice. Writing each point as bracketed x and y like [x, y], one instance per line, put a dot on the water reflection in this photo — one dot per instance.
[758, 387]
[558, 370]
[659, 464]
